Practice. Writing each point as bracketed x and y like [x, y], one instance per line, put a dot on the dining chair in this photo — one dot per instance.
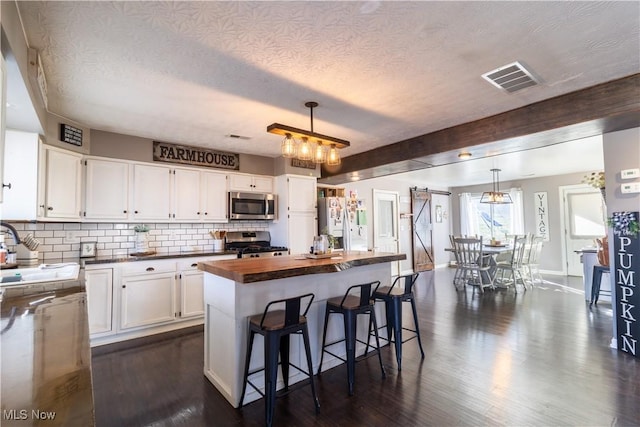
[458, 275]
[531, 260]
[513, 266]
[476, 265]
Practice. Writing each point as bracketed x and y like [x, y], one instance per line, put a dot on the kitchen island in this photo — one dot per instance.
[239, 288]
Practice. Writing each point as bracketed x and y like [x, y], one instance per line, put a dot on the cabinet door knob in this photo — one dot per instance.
[135, 211]
[151, 269]
[50, 208]
[198, 213]
[124, 211]
[124, 286]
[206, 213]
[195, 264]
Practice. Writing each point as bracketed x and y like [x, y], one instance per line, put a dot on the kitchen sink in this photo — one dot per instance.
[42, 273]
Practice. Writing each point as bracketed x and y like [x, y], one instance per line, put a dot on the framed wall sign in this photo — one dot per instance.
[88, 249]
[541, 214]
[70, 134]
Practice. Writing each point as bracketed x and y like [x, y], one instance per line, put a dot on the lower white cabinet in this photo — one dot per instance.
[99, 286]
[134, 299]
[147, 300]
[191, 289]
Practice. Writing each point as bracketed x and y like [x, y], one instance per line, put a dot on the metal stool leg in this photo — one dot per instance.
[375, 328]
[307, 347]
[396, 315]
[246, 366]
[285, 345]
[271, 344]
[324, 339]
[415, 320]
[350, 324]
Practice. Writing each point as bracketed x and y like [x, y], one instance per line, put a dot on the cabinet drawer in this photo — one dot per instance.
[147, 267]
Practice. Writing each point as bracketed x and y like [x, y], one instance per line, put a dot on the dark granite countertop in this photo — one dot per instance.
[46, 360]
[251, 270]
[169, 255]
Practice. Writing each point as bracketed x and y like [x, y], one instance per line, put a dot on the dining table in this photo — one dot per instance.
[495, 251]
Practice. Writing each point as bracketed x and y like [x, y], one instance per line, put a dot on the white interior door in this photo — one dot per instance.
[584, 220]
[385, 224]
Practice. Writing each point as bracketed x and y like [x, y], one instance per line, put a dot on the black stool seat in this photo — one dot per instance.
[276, 326]
[350, 306]
[393, 297]
[595, 283]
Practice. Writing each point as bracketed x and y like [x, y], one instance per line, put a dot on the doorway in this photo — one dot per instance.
[385, 224]
[584, 214]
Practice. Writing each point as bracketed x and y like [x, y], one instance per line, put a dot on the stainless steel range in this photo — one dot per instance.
[253, 244]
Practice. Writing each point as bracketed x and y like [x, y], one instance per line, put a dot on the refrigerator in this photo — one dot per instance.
[355, 225]
[331, 218]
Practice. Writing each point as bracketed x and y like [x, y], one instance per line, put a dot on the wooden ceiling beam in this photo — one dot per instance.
[603, 108]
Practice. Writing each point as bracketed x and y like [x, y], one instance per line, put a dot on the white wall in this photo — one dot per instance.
[441, 230]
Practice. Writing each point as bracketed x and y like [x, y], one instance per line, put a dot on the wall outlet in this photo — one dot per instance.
[629, 173]
[70, 237]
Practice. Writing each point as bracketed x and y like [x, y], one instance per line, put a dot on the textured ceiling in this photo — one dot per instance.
[194, 72]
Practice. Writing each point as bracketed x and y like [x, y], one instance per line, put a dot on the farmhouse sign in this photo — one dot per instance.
[194, 156]
[627, 269]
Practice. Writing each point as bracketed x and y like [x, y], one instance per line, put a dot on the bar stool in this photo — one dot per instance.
[350, 306]
[276, 326]
[595, 283]
[393, 297]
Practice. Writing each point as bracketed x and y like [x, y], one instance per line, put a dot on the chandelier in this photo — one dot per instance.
[308, 146]
[495, 197]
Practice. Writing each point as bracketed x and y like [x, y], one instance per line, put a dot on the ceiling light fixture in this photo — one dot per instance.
[304, 150]
[464, 155]
[495, 197]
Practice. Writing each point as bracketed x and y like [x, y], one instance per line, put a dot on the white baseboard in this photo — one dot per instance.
[553, 272]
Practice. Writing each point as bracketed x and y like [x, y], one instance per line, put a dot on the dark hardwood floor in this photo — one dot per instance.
[536, 358]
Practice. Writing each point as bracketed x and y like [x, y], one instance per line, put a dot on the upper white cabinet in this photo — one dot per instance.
[302, 194]
[214, 196]
[63, 173]
[21, 173]
[200, 196]
[151, 192]
[106, 192]
[186, 205]
[246, 182]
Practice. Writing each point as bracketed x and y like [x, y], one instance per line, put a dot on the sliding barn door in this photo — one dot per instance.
[421, 236]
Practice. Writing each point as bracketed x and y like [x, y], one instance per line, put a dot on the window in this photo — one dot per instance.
[489, 220]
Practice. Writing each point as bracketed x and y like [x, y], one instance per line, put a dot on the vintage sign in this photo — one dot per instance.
[307, 164]
[627, 267]
[541, 215]
[70, 134]
[195, 156]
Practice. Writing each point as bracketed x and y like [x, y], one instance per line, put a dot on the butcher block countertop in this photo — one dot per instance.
[251, 270]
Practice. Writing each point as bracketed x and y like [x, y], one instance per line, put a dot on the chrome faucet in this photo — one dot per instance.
[13, 231]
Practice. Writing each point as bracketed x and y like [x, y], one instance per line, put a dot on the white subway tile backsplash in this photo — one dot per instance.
[118, 239]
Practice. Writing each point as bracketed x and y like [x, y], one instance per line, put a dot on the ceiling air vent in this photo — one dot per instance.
[511, 77]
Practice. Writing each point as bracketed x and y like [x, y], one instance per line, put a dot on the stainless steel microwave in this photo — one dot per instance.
[256, 206]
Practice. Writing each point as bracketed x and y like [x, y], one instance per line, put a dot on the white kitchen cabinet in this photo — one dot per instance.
[106, 194]
[298, 220]
[3, 102]
[63, 174]
[21, 172]
[99, 285]
[151, 193]
[250, 183]
[214, 196]
[191, 289]
[147, 294]
[186, 206]
[200, 196]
